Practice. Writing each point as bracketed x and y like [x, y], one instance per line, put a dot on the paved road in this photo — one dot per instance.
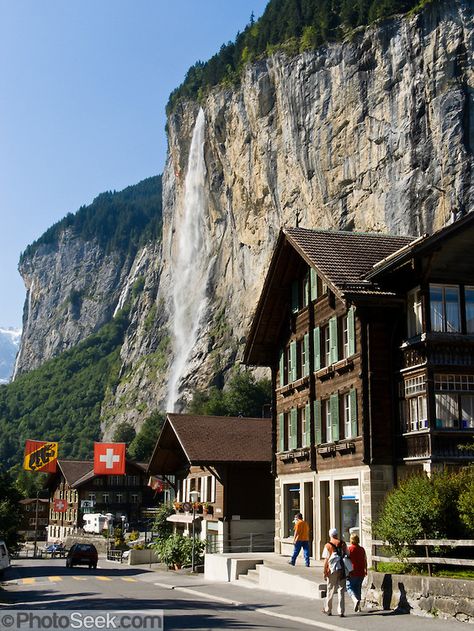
[188, 601]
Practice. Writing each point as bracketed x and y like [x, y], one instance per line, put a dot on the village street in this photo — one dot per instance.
[188, 602]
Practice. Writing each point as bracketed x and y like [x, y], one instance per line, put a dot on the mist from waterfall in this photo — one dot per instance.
[190, 264]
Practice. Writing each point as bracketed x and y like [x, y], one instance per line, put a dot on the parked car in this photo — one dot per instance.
[82, 554]
[55, 548]
[4, 557]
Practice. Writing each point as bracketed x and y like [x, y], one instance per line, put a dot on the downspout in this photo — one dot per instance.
[369, 395]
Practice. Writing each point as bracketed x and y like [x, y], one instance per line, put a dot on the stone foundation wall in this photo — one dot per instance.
[422, 595]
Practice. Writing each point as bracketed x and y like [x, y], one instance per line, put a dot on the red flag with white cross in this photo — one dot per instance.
[109, 458]
[59, 505]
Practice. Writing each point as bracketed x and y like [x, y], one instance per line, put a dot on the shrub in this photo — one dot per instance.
[161, 527]
[176, 550]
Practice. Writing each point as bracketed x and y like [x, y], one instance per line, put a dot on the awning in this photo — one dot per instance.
[183, 518]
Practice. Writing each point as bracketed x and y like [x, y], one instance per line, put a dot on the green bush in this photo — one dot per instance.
[177, 550]
[161, 527]
[427, 508]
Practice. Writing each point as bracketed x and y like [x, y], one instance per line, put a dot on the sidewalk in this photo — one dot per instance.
[301, 611]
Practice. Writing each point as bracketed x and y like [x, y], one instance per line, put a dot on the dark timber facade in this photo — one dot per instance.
[370, 339]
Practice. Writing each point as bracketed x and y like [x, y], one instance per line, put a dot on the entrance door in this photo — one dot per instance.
[325, 514]
[308, 511]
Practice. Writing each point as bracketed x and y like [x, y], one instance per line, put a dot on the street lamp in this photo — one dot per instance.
[110, 525]
[194, 497]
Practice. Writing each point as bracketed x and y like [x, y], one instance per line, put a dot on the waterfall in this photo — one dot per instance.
[190, 264]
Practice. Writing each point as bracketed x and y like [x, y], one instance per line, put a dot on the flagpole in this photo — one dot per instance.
[36, 525]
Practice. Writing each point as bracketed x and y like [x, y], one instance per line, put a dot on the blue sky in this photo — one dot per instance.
[83, 89]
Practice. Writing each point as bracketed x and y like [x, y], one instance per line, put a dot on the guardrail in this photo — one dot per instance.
[115, 555]
[427, 559]
[253, 542]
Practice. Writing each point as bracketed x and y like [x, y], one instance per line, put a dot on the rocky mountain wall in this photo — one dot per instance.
[374, 133]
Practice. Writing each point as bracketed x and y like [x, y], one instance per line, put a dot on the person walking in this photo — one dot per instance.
[333, 554]
[300, 539]
[359, 570]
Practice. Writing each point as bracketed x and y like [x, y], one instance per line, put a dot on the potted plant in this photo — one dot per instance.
[177, 506]
[197, 506]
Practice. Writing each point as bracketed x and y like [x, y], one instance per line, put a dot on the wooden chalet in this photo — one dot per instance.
[227, 460]
[75, 482]
[370, 339]
[34, 513]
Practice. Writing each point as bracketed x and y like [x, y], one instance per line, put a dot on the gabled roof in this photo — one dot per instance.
[73, 470]
[210, 440]
[77, 472]
[344, 258]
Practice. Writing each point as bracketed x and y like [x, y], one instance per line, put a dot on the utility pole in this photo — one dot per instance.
[36, 524]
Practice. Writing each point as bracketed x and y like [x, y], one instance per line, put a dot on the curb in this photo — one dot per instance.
[262, 610]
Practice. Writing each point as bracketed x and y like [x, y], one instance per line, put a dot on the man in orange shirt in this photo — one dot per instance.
[301, 539]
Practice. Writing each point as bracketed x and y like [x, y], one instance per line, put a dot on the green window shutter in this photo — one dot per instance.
[282, 367]
[335, 416]
[351, 328]
[294, 297]
[354, 428]
[293, 361]
[306, 355]
[281, 430]
[317, 348]
[294, 427]
[334, 352]
[317, 422]
[313, 281]
[307, 434]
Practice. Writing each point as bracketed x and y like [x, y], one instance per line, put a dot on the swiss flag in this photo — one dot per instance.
[109, 458]
[59, 505]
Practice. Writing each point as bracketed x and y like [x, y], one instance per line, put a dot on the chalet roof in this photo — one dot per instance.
[344, 258]
[77, 472]
[211, 440]
[73, 470]
[33, 500]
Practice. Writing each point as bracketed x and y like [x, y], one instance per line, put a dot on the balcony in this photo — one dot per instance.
[436, 445]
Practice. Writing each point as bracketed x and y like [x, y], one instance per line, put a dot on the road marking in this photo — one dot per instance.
[29, 581]
[103, 578]
[55, 579]
[262, 610]
[128, 580]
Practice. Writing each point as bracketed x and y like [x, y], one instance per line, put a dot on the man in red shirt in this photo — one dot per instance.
[300, 539]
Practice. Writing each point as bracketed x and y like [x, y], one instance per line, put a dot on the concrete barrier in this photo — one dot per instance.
[421, 595]
[140, 557]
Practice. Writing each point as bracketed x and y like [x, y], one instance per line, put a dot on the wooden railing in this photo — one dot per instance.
[427, 559]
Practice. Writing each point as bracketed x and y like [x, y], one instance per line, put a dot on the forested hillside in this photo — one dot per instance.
[122, 220]
[295, 26]
[61, 400]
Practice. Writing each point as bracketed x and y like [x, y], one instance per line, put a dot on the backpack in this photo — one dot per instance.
[336, 562]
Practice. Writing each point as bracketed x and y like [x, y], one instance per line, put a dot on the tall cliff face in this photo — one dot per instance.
[375, 133]
[73, 287]
[370, 134]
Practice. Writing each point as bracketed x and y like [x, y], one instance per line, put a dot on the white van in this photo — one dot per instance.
[4, 556]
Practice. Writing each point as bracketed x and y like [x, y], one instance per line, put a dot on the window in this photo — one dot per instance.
[98, 481]
[348, 333]
[292, 362]
[414, 408]
[414, 313]
[304, 424]
[132, 480]
[116, 480]
[291, 504]
[105, 498]
[119, 498]
[349, 402]
[454, 398]
[469, 299]
[444, 308]
[326, 345]
[305, 290]
[327, 418]
[92, 497]
[134, 498]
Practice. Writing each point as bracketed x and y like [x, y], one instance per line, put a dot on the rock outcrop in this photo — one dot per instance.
[374, 133]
